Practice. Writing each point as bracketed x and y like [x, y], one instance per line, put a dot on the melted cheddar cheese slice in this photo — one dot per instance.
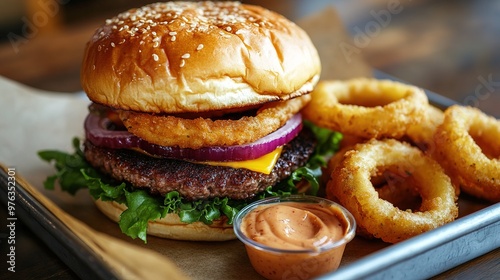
[264, 164]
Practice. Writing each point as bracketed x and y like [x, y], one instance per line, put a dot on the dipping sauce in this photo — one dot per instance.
[294, 225]
[297, 237]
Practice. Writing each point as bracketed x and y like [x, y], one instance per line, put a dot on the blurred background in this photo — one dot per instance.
[449, 47]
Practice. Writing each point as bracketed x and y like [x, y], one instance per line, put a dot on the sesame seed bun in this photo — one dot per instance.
[178, 57]
[171, 226]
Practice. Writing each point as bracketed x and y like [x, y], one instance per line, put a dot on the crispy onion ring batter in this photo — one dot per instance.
[368, 108]
[351, 184]
[422, 133]
[468, 146]
[204, 132]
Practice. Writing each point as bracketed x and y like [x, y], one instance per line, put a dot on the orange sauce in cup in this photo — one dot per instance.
[300, 235]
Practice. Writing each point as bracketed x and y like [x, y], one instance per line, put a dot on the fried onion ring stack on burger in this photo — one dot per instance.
[199, 102]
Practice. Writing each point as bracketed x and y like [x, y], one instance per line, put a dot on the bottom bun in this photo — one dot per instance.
[171, 226]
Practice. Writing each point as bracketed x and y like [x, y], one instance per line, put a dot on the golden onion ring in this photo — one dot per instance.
[398, 192]
[467, 145]
[350, 183]
[422, 133]
[205, 132]
[367, 108]
[350, 140]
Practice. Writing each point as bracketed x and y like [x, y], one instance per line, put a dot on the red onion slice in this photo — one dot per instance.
[97, 132]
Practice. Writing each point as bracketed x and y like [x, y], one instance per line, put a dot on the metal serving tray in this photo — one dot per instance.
[57, 236]
[432, 252]
[473, 234]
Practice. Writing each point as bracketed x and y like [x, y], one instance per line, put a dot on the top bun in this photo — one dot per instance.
[197, 56]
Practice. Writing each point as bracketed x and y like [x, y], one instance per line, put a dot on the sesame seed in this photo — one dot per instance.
[155, 57]
[113, 44]
[224, 17]
[186, 55]
[183, 62]
[203, 28]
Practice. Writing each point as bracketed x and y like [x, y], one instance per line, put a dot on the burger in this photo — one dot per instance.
[195, 113]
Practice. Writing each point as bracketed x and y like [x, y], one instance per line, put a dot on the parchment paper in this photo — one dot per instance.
[33, 120]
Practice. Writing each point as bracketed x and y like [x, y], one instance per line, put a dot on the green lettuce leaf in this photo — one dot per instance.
[74, 173]
[328, 142]
[142, 208]
[69, 169]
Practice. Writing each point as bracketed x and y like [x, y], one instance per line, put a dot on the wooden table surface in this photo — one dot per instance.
[449, 47]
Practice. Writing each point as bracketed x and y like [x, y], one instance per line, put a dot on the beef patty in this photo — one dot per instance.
[197, 181]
